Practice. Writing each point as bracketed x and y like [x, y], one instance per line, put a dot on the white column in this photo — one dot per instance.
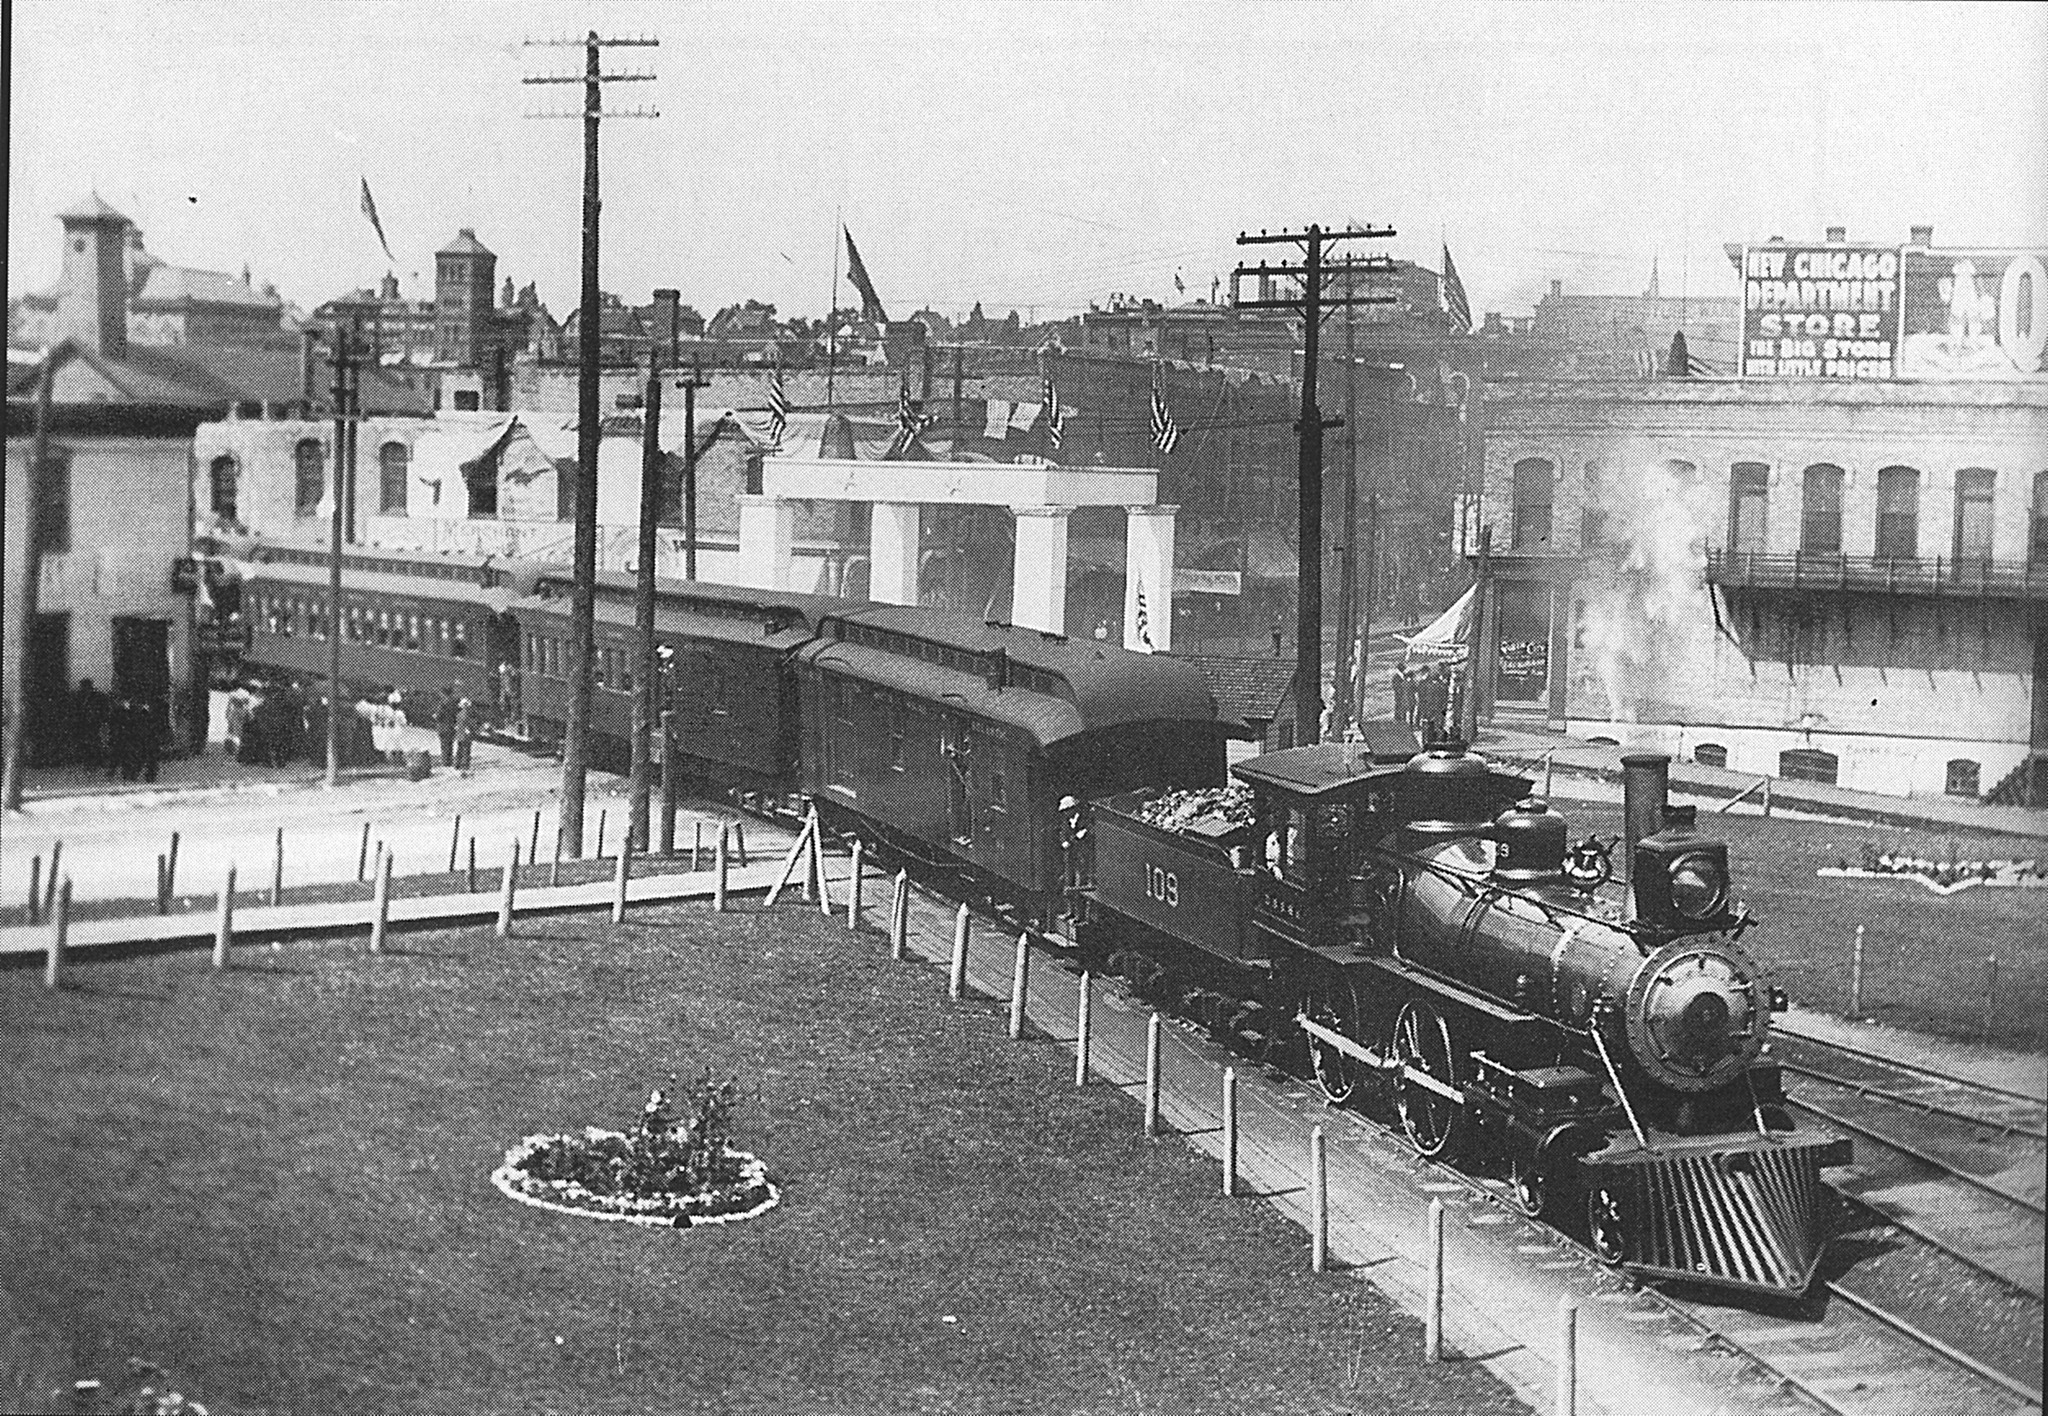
[1148, 566]
[767, 537]
[1038, 586]
[892, 550]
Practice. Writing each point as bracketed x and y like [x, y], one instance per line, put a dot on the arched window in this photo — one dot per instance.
[1820, 510]
[1973, 513]
[1898, 513]
[2037, 540]
[1808, 764]
[393, 462]
[1533, 478]
[1710, 754]
[223, 481]
[310, 460]
[1962, 777]
[1749, 495]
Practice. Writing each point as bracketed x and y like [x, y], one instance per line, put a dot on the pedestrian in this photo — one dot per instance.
[508, 693]
[149, 737]
[89, 724]
[241, 703]
[465, 733]
[444, 723]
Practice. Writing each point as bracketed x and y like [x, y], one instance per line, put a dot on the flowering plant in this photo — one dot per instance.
[675, 1165]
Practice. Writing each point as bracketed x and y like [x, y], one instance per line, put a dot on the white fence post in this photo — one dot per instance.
[956, 986]
[1020, 985]
[224, 924]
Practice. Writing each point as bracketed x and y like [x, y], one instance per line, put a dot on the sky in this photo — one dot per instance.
[1031, 156]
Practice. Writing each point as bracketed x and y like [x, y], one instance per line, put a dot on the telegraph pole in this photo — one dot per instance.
[1308, 627]
[347, 376]
[583, 599]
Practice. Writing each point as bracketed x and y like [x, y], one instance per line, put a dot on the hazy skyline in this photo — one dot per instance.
[1032, 157]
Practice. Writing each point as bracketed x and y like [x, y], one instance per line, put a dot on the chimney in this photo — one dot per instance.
[1922, 236]
[1645, 789]
[1837, 235]
[92, 298]
[1557, 289]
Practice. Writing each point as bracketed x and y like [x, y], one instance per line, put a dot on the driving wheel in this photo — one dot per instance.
[1435, 1123]
[1332, 1004]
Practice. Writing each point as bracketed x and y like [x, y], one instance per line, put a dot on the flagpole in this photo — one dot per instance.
[832, 314]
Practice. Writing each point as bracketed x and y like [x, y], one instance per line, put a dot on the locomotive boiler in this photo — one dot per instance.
[1439, 945]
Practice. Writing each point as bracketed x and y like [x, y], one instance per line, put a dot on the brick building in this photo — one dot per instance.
[1840, 579]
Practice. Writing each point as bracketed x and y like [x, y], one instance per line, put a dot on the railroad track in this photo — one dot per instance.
[1842, 1351]
[1956, 1164]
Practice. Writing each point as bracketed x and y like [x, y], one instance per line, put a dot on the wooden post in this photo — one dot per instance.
[624, 872]
[853, 890]
[60, 929]
[696, 846]
[363, 854]
[50, 885]
[162, 903]
[1020, 984]
[472, 865]
[380, 907]
[602, 811]
[739, 841]
[1229, 1132]
[1318, 1202]
[956, 986]
[719, 861]
[1767, 796]
[454, 842]
[224, 922]
[277, 870]
[35, 889]
[1082, 1007]
[798, 851]
[1567, 1356]
[899, 916]
[671, 785]
[533, 844]
[1433, 1294]
[171, 873]
[555, 870]
[1990, 993]
[1152, 1075]
[1856, 975]
[506, 887]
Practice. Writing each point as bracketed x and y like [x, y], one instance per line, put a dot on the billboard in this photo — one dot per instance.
[1974, 314]
[1820, 312]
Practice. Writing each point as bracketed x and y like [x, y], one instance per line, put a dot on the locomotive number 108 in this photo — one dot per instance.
[1162, 885]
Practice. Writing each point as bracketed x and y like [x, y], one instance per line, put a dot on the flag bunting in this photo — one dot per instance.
[1143, 620]
[778, 406]
[1054, 417]
[1165, 432]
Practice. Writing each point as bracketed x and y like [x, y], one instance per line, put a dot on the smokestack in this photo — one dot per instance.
[1645, 788]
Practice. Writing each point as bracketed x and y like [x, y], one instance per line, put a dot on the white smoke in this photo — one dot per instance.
[1657, 515]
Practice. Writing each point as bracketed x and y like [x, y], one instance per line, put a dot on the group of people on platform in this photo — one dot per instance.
[123, 734]
[1430, 699]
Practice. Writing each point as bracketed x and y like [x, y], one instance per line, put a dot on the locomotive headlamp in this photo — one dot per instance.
[1699, 886]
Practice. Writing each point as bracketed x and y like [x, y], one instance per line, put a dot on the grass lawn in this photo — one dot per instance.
[273, 1182]
[1923, 960]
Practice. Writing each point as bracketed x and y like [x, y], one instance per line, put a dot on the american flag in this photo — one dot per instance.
[909, 422]
[1143, 620]
[1053, 416]
[778, 406]
[1165, 432]
[1455, 303]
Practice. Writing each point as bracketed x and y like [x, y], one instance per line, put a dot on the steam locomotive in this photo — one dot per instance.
[1413, 929]
[1429, 933]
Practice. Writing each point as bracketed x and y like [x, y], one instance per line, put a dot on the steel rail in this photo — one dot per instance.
[1941, 1246]
[1916, 1068]
[1934, 1344]
[1932, 1108]
[1907, 1148]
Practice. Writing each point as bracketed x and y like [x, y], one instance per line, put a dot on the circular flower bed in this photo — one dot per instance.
[671, 1170]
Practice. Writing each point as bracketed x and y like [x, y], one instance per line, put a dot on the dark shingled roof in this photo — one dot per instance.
[1247, 687]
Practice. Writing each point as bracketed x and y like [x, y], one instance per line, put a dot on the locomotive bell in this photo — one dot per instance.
[1448, 790]
[1529, 842]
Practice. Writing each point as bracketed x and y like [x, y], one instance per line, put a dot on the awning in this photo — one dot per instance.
[1447, 639]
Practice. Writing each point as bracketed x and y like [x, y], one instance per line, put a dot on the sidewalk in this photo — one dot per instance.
[1524, 749]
